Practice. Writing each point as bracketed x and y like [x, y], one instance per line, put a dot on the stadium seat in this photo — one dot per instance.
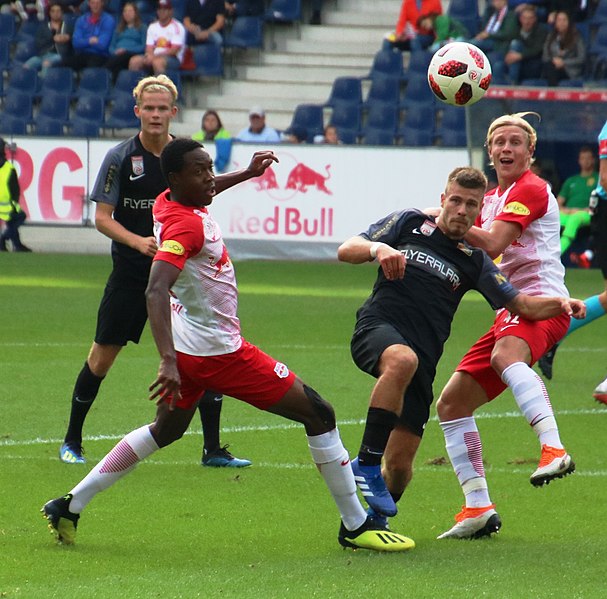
[452, 139]
[27, 30]
[598, 53]
[600, 15]
[8, 26]
[48, 127]
[453, 117]
[415, 137]
[467, 13]
[345, 89]
[382, 116]
[309, 117]
[246, 33]
[534, 82]
[418, 63]
[92, 109]
[387, 63]
[208, 59]
[81, 128]
[346, 116]
[347, 136]
[58, 80]
[25, 49]
[384, 89]
[18, 104]
[175, 76]
[12, 125]
[421, 117]
[121, 115]
[23, 80]
[377, 137]
[95, 81]
[5, 57]
[418, 91]
[286, 12]
[126, 82]
[54, 106]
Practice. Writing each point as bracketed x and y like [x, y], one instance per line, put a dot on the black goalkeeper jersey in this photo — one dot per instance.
[439, 271]
[129, 180]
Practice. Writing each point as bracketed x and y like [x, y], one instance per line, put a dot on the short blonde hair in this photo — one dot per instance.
[515, 120]
[158, 83]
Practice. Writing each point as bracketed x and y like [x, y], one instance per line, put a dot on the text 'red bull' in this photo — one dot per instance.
[283, 221]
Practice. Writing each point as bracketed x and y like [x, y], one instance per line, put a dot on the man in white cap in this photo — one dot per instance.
[258, 131]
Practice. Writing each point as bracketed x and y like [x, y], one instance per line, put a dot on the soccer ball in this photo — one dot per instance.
[459, 74]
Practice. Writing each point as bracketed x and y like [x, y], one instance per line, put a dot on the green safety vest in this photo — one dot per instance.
[7, 206]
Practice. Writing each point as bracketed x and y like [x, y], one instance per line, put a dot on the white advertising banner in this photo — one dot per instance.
[313, 194]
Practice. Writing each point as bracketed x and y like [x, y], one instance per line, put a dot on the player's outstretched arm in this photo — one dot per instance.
[357, 250]
[496, 239]
[259, 163]
[541, 308]
[162, 277]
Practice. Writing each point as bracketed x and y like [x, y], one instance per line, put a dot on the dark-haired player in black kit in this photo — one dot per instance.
[425, 268]
[127, 185]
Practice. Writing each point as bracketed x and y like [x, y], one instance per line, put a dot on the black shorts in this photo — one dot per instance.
[598, 227]
[372, 336]
[122, 316]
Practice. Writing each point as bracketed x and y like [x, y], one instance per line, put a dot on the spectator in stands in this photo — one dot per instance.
[91, 39]
[407, 35]
[316, 18]
[258, 131]
[443, 28]
[52, 40]
[204, 21]
[128, 39]
[524, 56]
[564, 53]
[211, 128]
[499, 27]
[246, 8]
[165, 43]
[574, 198]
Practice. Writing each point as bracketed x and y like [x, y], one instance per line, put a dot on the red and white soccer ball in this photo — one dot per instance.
[459, 74]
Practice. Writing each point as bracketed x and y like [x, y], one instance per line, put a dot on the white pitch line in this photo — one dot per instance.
[289, 426]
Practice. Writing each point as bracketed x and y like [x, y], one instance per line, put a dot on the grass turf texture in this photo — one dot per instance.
[174, 529]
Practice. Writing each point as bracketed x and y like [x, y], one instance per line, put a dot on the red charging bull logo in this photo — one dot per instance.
[284, 182]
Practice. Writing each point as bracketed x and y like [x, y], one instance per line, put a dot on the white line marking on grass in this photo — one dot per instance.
[289, 426]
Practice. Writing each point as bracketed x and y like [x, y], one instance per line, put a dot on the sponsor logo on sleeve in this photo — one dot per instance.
[517, 208]
[500, 279]
[172, 247]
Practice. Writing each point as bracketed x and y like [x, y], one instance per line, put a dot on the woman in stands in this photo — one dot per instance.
[128, 39]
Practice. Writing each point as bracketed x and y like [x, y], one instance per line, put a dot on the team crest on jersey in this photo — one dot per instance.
[172, 247]
[428, 228]
[281, 370]
[517, 208]
[137, 165]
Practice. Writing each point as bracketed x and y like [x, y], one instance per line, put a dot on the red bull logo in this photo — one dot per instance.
[267, 181]
[302, 177]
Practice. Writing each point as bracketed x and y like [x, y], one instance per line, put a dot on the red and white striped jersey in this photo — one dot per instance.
[532, 262]
[204, 298]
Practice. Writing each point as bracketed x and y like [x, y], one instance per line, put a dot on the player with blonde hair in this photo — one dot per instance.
[519, 224]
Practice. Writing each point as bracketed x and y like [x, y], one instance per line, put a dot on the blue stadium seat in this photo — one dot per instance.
[246, 32]
[418, 91]
[419, 62]
[92, 109]
[382, 116]
[25, 49]
[384, 89]
[95, 81]
[5, 56]
[467, 13]
[347, 136]
[309, 117]
[58, 80]
[377, 137]
[387, 63]
[54, 106]
[346, 116]
[12, 125]
[283, 12]
[8, 26]
[24, 80]
[452, 139]
[121, 115]
[126, 82]
[81, 128]
[48, 127]
[415, 137]
[421, 117]
[208, 59]
[27, 30]
[345, 89]
[18, 104]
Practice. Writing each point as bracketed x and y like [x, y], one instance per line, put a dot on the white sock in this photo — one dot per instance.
[532, 399]
[465, 450]
[333, 463]
[123, 458]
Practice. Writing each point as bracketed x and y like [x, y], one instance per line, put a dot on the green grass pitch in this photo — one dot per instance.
[173, 529]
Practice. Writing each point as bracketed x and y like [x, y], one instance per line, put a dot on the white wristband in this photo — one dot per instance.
[373, 250]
